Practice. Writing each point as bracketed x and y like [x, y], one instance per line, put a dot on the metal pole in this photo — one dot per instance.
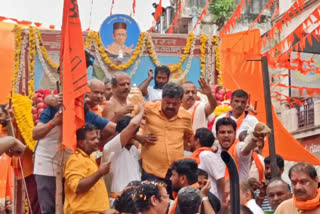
[234, 182]
[267, 97]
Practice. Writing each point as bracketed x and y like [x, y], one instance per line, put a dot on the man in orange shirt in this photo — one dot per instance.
[172, 128]
[95, 96]
[85, 190]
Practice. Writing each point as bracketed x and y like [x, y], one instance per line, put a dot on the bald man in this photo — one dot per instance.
[96, 96]
[117, 106]
[277, 192]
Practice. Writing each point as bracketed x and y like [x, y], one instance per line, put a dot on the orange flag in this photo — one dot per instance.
[237, 72]
[158, 11]
[73, 74]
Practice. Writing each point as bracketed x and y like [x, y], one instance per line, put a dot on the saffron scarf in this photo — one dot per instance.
[175, 196]
[240, 119]
[196, 154]
[309, 204]
[259, 165]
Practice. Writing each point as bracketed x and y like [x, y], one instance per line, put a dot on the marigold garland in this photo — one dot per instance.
[107, 60]
[89, 39]
[22, 110]
[215, 41]
[155, 60]
[31, 60]
[17, 53]
[203, 43]
[45, 53]
[183, 57]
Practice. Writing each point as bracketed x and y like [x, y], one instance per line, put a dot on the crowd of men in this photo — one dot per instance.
[163, 158]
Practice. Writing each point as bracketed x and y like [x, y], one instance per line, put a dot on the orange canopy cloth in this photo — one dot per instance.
[238, 72]
[6, 59]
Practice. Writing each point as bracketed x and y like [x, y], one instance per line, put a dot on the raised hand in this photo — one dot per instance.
[205, 88]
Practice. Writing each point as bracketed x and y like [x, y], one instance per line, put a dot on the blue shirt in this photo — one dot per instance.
[90, 117]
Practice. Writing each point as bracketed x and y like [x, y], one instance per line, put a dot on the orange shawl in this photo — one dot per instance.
[233, 152]
[175, 196]
[259, 165]
[240, 119]
[308, 205]
[196, 154]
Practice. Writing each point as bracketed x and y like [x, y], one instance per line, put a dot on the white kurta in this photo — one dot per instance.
[124, 164]
[199, 119]
[154, 94]
[215, 167]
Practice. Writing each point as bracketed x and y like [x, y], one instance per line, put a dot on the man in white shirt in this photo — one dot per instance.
[199, 111]
[246, 198]
[208, 160]
[245, 121]
[123, 154]
[154, 93]
[241, 151]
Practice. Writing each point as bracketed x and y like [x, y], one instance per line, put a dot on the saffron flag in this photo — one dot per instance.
[237, 72]
[73, 73]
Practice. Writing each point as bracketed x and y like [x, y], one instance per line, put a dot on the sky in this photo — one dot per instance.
[50, 11]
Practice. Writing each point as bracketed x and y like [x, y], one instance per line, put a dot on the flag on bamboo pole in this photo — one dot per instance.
[73, 73]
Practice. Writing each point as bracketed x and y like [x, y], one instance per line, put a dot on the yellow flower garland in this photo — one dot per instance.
[184, 56]
[31, 62]
[89, 39]
[155, 60]
[22, 110]
[18, 41]
[45, 53]
[215, 41]
[107, 60]
[203, 43]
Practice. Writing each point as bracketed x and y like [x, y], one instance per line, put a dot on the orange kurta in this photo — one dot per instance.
[156, 159]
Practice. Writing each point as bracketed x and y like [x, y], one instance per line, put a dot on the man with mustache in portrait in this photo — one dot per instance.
[199, 110]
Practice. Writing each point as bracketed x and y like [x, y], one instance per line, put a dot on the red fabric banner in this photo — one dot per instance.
[73, 74]
[237, 71]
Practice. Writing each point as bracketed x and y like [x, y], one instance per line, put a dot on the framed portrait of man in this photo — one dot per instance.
[119, 34]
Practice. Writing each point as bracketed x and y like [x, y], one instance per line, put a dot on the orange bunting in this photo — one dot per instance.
[204, 12]
[286, 18]
[310, 91]
[291, 100]
[267, 6]
[231, 23]
[174, 21]
[24, 22]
